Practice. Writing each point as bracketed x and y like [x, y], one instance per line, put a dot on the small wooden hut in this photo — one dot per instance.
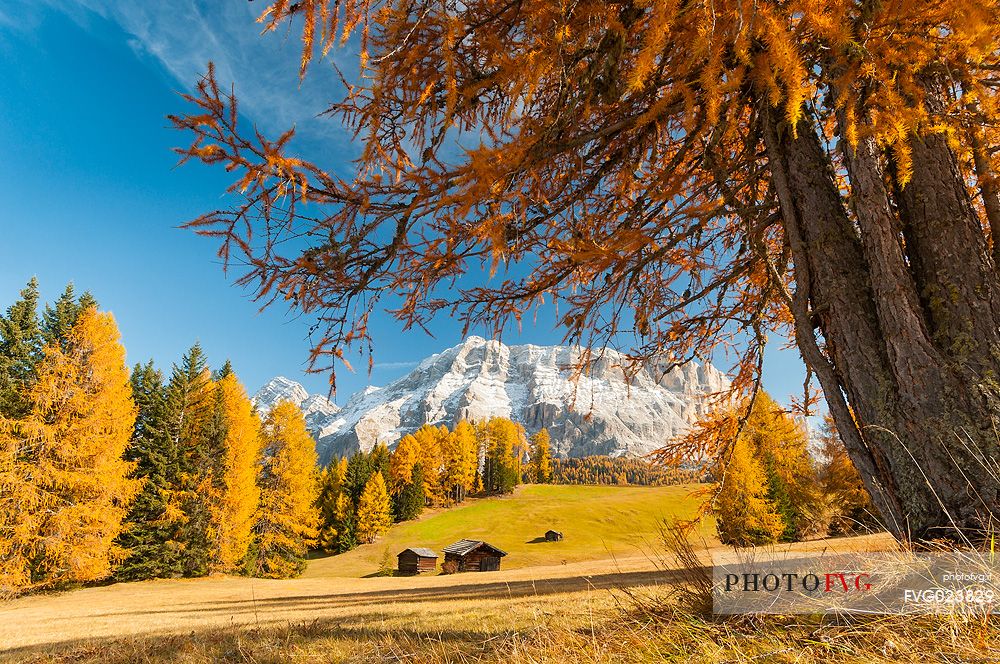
[416, 560]
[472, 556]
[553, 536]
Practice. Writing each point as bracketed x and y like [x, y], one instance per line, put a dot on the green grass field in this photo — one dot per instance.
[598, 522]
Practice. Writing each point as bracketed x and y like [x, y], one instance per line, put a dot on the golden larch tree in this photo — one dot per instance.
[781, 444]
[459, 461]
[71, 446]
[851, 506]
[287, 519]
[406, 454]
[374, 514]
[688, 175]
[541, 457]
[429, 443]
[744, 515]
[236, 504]
[21, 511]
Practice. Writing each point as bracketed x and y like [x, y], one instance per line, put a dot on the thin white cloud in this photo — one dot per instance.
[184, 35]
[395, 365]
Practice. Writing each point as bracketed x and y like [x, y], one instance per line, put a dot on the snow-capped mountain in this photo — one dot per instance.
[317, 408]
[597, 413]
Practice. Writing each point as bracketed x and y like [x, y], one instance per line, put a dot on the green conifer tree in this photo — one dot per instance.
[410, 501]
[149, 535]
[330, 486]
[191, 404]
[59, 319]
[20, 351]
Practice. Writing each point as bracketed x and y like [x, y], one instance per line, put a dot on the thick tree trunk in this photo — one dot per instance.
[920, 421]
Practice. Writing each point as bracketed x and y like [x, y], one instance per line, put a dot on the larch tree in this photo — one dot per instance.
[465, 435]
[744, 514]
[71, 446]
[775, 455]
[374, 514]
[501, 468]
[541, 457]
[781, 444]
[458, 461]
[680, 177]
[404, 457]
[842, 486]
[287, 519]
[235, 506]
[429, 443]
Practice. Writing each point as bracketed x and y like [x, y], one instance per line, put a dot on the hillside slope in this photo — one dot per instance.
[599, 522]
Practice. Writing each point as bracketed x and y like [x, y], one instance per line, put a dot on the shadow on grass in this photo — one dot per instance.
[363, 633]
[474, 591]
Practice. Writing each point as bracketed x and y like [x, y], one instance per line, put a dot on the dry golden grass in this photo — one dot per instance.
[608, 635]
[595, 611]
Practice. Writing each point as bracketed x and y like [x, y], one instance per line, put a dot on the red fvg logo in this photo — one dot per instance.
[829, 582]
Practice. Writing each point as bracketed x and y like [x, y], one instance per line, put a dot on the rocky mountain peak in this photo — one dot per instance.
[600, 412]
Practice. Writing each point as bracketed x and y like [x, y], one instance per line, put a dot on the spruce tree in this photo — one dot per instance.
[359, 471]
[58, 319]
[149, 536]
[380, 461]
[346, 524]
[330, 490]
[20, 351]
[410, 501]
[194, 430]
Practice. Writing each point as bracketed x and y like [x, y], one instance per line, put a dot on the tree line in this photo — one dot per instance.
[361, 496]
[620, 471]
[112, 473]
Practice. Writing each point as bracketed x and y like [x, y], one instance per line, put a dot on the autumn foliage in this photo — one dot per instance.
[287, 521]
[65, 483]
[106, 472]
[679, 178]
[236, 501]
[361, 496]
[766, 485]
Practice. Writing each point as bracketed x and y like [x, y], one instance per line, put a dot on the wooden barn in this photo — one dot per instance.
[416, 560]
[553, 536]
[472, 556]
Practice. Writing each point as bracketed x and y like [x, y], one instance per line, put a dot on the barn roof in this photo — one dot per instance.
[420, 551]
[467, 546]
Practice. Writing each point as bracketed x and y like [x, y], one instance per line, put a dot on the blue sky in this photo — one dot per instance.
[91, 192]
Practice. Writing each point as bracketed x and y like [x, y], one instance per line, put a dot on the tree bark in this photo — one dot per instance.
[920, 422]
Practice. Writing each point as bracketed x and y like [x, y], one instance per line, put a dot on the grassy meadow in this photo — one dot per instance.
[598, 522]
[604, 594]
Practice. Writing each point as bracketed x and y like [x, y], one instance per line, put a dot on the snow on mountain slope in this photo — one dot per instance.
[317, 408]
[599, 413]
